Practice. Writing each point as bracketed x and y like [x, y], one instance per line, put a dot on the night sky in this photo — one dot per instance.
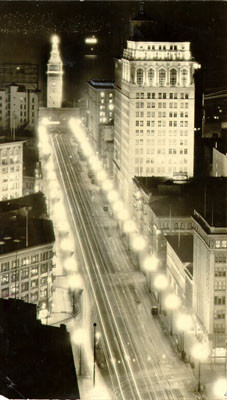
[26, 27]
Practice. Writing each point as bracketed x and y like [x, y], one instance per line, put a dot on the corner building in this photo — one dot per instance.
[154, 108]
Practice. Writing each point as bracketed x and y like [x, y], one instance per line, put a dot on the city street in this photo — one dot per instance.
[139, 357]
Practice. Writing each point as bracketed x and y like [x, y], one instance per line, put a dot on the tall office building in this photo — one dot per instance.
[54, 76]
[154, 107]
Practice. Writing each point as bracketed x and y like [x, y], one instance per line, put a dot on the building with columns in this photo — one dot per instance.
[154, 108]
[54, 76]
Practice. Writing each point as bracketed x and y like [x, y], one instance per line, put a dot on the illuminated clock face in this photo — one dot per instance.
[53, 83]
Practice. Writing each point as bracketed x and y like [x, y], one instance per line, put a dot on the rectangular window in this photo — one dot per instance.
[24, 287]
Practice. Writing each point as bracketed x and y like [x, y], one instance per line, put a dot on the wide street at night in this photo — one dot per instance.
[139, 356]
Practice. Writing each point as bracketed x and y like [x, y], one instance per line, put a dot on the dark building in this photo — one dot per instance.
[36, 359]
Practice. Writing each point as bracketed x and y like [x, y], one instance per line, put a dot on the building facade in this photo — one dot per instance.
[54, 76]
[154, 111]
[18, 108]
[219, 165]
[27, 261]
[100, 119]
[23, 74]
[11, 169]
[209, 276]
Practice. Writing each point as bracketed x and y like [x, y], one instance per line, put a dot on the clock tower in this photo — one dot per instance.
[54, 76]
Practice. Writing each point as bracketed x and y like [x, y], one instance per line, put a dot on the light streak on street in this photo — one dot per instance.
[138, 371]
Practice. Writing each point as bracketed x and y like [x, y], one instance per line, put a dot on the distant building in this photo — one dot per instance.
[54, 76]
[36, 360]
[18, 108]
[215, 113]
[11, 169]
[209, 274]
[22, 74]
[219, 164]
[26, 255]
[101, 119]
[154, 107]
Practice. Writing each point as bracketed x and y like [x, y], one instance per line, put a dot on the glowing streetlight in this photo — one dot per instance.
[150, 263]
[200, 352]
[75, 281]
[129, 226]
[220, 388]
[161, 283]
[138, 243]
[184, 324]
[70, 264]
[172, 302]
[107, 185]
[117, 205]
[101, 176]
[112, 196]
[67, 244]
[123, 215]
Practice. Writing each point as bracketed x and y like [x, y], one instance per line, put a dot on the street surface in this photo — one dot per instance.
[141, 362]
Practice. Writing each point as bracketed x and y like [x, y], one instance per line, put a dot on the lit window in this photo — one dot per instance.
[151, 77]
[184, 77]
[162, 77]
[173, 77]
[139, 76]
[102, 94]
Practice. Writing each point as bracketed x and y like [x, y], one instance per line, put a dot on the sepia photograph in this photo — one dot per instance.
[113, 200]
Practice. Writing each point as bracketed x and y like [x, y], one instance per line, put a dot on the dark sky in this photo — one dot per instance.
[26, 27]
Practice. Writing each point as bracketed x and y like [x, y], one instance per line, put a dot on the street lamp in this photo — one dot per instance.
[112, 196]
[138, 243]
[78, 338]
[107, 185]
[150, 264]
[94, 326]
[220, 388]
[161, 283]
[172, 302]
[200, 352]
[184, 323]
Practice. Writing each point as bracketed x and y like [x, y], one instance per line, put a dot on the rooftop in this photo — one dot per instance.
[182, 245]
[13, 233]
[6, 139]
[37, 360]
[102, 84]
[207, 195]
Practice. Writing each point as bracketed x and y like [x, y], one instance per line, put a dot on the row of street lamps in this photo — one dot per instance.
[150, 262]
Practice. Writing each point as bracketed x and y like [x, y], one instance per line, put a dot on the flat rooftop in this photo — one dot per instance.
[13, 233]
[182, 245]
[102, 84]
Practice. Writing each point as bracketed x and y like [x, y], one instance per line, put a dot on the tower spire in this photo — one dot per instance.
[54, 75]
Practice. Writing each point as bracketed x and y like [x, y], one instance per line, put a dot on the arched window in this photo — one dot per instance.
[173, 77]
[139, 77]
[162, 77]
[184, 77]
[151, 77]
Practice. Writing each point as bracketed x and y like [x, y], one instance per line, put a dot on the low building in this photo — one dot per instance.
[209, 273]
[11, 168]
[36, 360]
[179, 259]
[26, 255]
